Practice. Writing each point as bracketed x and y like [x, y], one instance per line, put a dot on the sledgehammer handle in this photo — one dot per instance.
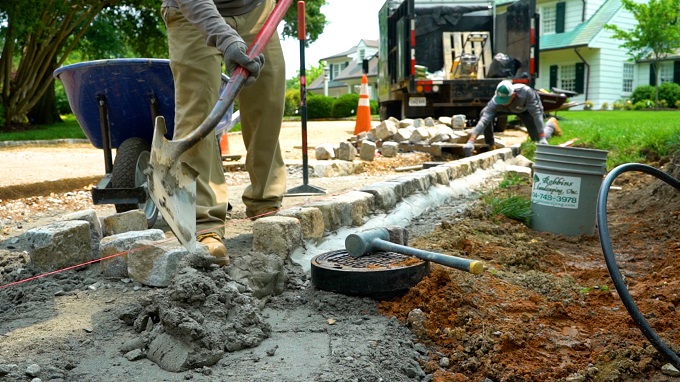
[472, 266]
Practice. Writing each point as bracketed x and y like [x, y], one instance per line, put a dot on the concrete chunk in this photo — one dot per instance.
[325, 151]
[389, 149]
[134, 220]
[120, 244]
[262, 272]
[278, 235]
[412, 183]
[90, 216]
[367, 151]
[385, 130]
[386, 194]
[336, 213]
[347, 151]
[155, 263]
[359, 206]
[311, 220]
[328, 169]
[59, 245]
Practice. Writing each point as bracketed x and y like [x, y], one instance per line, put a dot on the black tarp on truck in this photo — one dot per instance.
[440, 58]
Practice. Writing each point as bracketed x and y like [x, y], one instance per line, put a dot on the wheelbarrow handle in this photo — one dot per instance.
[236, 81]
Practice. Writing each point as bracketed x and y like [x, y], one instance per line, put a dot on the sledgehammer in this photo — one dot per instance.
[362, 243]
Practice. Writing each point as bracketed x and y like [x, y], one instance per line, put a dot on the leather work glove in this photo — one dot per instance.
[468, 148]
[543, 141]
[235, 55]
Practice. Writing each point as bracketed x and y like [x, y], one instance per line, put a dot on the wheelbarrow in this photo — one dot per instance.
[116, 103]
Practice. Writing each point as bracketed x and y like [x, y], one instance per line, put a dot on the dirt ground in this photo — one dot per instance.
[545, 309]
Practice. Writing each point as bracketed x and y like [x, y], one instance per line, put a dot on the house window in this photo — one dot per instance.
[628, 77]
[568, 77]
[665, 72]
[362, 54]
[548, 19]
[335, 69]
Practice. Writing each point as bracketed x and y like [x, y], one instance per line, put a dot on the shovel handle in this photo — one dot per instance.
[236, 81]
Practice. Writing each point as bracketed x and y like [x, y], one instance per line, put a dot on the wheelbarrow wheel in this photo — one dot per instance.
[132, 156]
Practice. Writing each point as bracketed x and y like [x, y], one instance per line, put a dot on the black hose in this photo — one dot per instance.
[613, 268]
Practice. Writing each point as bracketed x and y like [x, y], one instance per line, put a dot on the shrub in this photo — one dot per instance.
[641, 93]
[669, 92]
[605, 106]
[319, 106]
[619, 104]
[643, 104]
[292, 102]
[588, 105]
[345, 105]
[374, 106]
[2, 115]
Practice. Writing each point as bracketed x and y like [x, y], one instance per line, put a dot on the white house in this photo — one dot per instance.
[577, 53]
[346, 69]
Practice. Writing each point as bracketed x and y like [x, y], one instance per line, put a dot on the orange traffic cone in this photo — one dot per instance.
[224, 144]
[363, 123]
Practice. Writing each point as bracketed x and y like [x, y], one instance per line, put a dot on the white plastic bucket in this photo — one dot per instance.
[565, 186]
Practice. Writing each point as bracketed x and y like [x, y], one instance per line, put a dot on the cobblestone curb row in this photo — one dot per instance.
[290, 228]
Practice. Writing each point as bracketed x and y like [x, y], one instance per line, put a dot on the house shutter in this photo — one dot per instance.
[560, 10]
[553, 76]
[652, 75]
[580, 78]
[676, 72]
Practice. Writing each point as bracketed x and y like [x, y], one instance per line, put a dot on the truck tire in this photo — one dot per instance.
[127, 173]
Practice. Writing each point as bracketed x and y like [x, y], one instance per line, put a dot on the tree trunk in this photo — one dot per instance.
[45, 111]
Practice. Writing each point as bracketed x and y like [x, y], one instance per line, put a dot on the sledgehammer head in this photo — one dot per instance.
[359, 244]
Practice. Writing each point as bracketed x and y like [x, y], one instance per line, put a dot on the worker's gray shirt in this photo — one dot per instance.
[526, 99]
[207, 16]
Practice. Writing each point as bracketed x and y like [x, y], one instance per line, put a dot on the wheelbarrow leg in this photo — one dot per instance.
[106, 137]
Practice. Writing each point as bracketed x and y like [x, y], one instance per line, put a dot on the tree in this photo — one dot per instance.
[38, 36]
[656, 35]
[311, 74]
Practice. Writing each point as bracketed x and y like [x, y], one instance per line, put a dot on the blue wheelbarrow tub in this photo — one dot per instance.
[127, 86]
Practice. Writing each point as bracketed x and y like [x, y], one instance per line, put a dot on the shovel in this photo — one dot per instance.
[172, 183]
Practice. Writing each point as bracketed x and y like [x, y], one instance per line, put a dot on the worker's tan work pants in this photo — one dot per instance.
[197, 72]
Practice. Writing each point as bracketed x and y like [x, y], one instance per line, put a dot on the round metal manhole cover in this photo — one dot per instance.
[379, 274]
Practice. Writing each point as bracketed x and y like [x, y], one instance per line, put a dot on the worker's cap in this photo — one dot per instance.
[504, 92]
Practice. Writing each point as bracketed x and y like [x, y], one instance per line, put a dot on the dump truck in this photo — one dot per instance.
[445, 58]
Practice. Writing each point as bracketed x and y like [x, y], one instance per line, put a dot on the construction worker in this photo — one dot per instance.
[201, 35]
[517, 99]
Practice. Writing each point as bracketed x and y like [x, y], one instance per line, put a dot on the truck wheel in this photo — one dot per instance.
[500, 124]
[132, 157]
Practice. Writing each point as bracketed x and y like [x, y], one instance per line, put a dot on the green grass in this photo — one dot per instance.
[69, 128]
[629, 136]
[512, 206]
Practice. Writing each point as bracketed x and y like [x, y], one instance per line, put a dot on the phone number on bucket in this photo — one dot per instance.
[557, 199]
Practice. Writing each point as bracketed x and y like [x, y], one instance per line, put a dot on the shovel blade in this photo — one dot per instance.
[172, 187]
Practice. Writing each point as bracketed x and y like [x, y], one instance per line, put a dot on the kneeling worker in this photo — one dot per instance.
[517, 99]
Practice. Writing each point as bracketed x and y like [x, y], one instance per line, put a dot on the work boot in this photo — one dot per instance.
[216, 247]
[261, 212]
[552, 128]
